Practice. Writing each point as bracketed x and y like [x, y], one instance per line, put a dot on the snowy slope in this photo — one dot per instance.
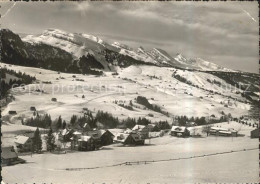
[155, 83]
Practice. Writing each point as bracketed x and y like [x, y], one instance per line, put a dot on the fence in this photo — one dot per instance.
[163, 160]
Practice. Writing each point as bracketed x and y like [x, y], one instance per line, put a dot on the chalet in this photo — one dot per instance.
[32, 108]
[87, 143]
[9, 157]
[129, 139]
[12, 112]
[23, 143]
[255, 133]
[180, 131]
[222, 131]
[105, 136]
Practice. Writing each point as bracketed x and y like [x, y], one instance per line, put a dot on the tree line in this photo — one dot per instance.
[6, 85]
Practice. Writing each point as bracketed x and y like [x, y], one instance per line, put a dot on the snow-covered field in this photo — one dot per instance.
[171, 95]
[225, 168]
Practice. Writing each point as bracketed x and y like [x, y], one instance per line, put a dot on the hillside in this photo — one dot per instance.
[157, 84]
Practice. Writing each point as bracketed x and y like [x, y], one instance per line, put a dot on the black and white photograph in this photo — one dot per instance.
[109, 92]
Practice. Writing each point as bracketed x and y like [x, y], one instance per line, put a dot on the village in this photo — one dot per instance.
[65, 140]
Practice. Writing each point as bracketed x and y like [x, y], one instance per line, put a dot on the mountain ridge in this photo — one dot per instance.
[78, 45]
[89, 43]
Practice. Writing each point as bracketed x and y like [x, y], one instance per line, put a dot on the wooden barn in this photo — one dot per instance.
[9, 157]
[23, 143]
[129, 139]
[88, 143]
[180, 131]
[105, 136]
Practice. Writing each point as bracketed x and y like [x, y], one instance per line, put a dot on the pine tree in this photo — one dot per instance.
[64, 124]
[73, 119]
[50, 141]
[37, 141]
[59, 123]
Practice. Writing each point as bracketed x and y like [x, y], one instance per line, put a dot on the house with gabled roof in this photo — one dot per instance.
[105, 136]
[180, 131]
[129, 139]
[23, 143]
[87, 143]
[9, 157]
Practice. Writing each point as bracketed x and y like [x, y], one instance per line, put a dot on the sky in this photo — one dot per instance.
[226, 33]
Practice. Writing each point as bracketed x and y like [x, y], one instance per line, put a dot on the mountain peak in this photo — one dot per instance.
[93, 38]
[180, 58]
[122, 46]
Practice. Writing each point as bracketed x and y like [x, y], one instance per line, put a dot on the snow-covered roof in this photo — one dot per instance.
[139, 127]
[121, 137]
[219, 129]
[20, 139]
[7, 153]
[173, 128]
[128, 131]
[178, 129]
[223, 130]
[96, 133]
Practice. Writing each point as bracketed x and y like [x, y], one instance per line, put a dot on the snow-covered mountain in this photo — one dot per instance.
[108, 55]
[76, 44]
[79, 44]
[200, 64]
